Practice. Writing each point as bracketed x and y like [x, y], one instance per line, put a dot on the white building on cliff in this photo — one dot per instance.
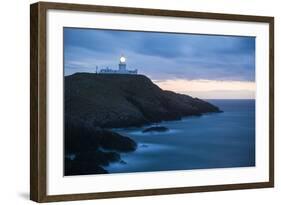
[122, 69]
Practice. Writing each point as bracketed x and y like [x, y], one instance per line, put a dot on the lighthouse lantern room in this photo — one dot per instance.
[122, 64]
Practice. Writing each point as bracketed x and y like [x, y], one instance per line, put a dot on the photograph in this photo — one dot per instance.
[140, 101]
[148, 101]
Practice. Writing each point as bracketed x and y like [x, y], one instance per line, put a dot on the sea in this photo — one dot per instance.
[213, 140]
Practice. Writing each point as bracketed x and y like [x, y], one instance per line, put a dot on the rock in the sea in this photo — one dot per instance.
[156, 129]
[114, 141]
[112, 101]
[80, 137]
[82, 167]
[90, 162]
[93, 148]
[122, 162]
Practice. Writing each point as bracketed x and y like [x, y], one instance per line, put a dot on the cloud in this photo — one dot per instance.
[162, 56]
[222, 94]
[205, 85]
[210, 89]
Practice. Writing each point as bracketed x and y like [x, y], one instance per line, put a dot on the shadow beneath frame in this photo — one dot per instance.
[24, 195]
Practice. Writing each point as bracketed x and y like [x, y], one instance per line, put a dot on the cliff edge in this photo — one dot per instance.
[112, 101]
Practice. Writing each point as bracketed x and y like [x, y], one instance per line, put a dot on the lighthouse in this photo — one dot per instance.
[122, 64]
[121, 70]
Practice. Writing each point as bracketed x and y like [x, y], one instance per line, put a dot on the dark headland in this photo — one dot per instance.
[94, 103]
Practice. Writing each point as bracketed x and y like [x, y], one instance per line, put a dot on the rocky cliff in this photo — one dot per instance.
[110, 101]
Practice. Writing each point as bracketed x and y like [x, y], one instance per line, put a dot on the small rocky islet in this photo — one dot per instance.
[156, 129]
[96, 103]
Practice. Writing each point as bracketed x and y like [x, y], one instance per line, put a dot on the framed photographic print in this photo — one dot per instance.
[134, 102]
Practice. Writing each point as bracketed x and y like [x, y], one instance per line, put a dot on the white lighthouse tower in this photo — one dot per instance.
[122, 64]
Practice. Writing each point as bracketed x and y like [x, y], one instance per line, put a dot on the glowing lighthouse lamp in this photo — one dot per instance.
[122, 59]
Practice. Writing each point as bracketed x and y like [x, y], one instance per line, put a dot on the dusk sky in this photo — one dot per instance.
[204, 66]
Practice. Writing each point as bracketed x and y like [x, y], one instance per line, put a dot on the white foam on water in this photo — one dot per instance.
[128, 160]
[141, 133]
